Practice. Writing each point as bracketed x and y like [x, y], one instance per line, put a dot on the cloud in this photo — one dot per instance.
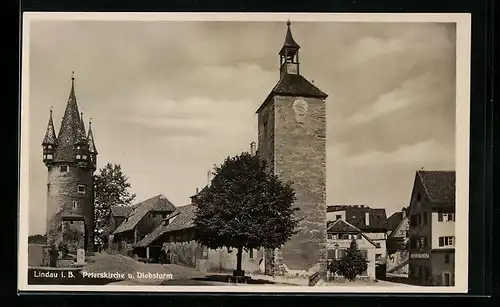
[176, 97]
[411, 92]
[430, 151]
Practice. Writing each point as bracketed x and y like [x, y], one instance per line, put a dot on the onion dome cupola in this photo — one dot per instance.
[49, 143]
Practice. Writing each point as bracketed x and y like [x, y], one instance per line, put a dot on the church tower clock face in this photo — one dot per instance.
[300, 108]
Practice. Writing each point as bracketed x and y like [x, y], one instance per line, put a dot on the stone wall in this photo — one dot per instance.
[190, 254]
[36, 254]
[300, 156]
[266, 134]
[62, 190]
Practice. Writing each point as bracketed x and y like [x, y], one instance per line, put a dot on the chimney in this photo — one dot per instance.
[367, 218]
[252, 148]
[403, 211]
[197, 190]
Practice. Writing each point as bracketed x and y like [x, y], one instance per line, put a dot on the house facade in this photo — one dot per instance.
[397, 247]
[339, 236]
[173, 242]
[371, 221]
[432, 229]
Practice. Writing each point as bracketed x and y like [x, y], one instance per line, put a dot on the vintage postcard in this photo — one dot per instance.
[244, 152]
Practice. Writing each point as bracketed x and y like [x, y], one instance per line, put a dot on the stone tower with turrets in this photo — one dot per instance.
[71, 159]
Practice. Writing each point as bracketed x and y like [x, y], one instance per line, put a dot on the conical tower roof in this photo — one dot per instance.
[50, 135]
[71, 131]
[90, 140]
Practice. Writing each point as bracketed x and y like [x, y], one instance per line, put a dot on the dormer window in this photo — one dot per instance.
[64, 168]
[81, 189]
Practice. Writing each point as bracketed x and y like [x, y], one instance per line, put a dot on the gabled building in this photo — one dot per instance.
[340, 233]
[143, 219]
[399, 233]
[432, 228]
[397, 247]
[176, 227]
[372, 222]
[117, 215]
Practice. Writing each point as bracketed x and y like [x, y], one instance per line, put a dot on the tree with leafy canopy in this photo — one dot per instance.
[111, 187]
[245, 207]
[352, 264]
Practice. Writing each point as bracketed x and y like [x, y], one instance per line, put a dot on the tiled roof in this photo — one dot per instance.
[439, 185]
[157, 203]
[294, 85]
[355, 215]
[297, 85]
[121, 211]
[50, 134]
[71, 130]
[184, 217]
[394, 220]
[341, 226]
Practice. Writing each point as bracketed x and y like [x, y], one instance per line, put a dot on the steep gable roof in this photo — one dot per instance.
[181, 218]
[403, 225]
[121, 210]
[157, 203]
[341, 226]
[394, 220]
[439, 185]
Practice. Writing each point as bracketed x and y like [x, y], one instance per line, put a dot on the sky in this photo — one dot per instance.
[168, 100]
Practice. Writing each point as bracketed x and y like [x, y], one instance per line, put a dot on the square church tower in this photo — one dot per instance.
[292, 139]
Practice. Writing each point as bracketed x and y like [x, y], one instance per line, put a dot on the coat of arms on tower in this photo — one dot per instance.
[300, 109]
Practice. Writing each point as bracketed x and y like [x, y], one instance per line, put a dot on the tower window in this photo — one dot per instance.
[64, 168]
[75, 204]
[81, 189]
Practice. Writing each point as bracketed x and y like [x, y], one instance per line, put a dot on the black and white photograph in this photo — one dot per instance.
[222, 152]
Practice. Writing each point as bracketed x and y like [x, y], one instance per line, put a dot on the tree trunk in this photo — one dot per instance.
[238, 259]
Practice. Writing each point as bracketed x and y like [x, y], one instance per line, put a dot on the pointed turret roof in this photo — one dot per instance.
[81, 129]
[90, 139]
[50, 134]
[289, 41]
[71, 130]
